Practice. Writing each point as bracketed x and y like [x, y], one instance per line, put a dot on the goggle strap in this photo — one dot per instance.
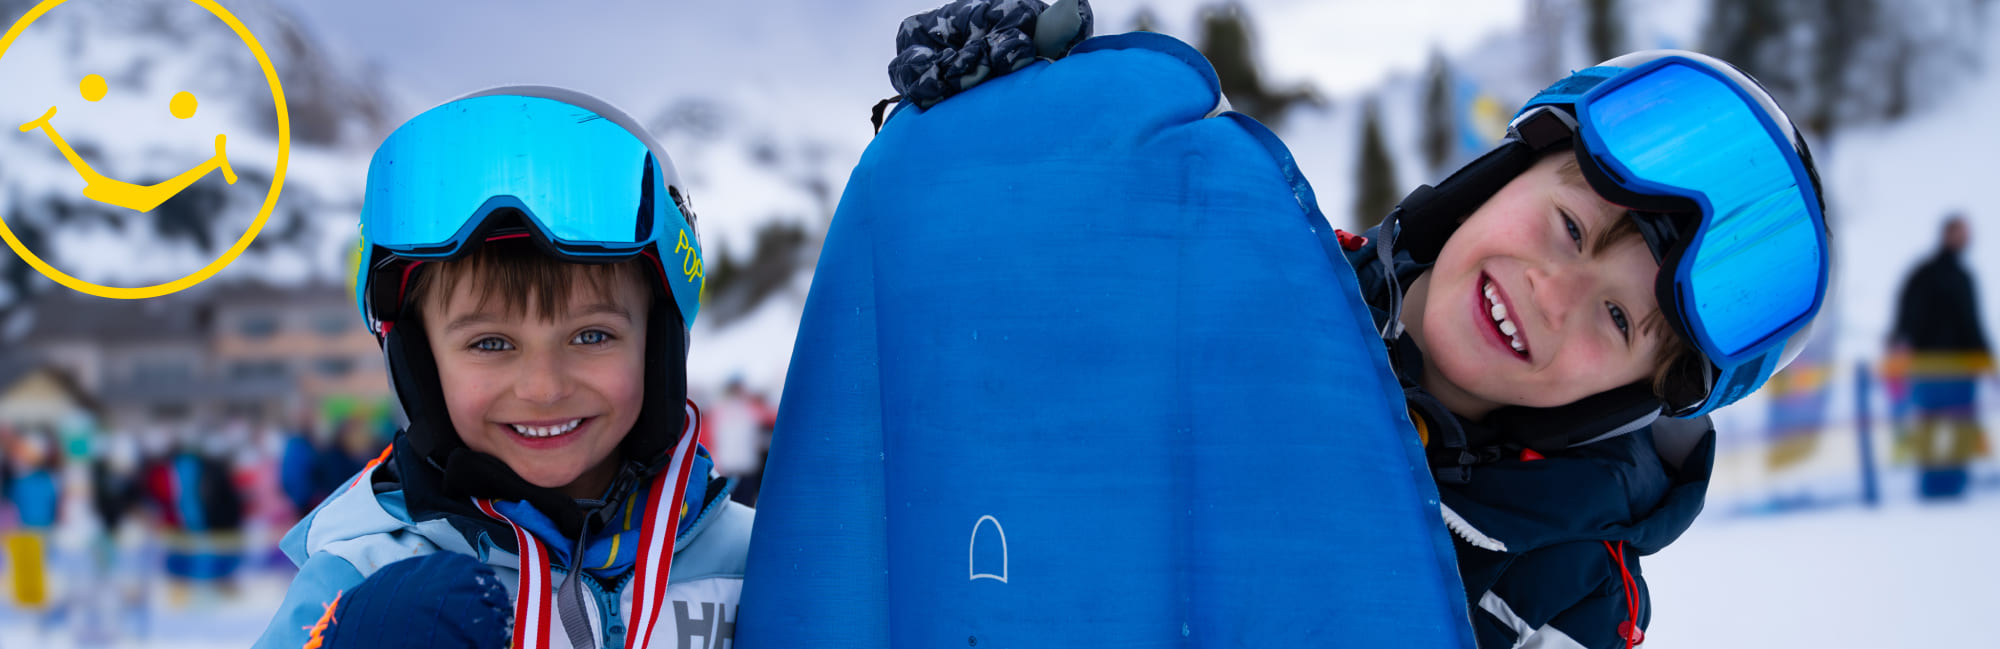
[643, 228]
[1566, 91]
[1385, 254]
[1659, 231]
[1738, 381]
[1543, 127]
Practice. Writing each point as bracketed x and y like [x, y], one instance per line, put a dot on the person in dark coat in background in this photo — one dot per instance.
[1944, 347]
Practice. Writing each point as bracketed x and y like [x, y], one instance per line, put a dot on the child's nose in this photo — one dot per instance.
[542, 379]
[1563, 290]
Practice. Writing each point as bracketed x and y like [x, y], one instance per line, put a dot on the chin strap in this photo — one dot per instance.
[1385, 243]
[1595, 418]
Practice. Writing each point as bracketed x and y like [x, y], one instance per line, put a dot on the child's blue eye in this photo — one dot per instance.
[1575, 233]
[491, 344]
[1618, 318]
[591, 337]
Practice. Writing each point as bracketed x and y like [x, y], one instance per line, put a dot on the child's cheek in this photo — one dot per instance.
[466, 397]
[630, 387]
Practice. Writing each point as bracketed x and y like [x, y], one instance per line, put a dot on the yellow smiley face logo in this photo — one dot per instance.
[143, 198]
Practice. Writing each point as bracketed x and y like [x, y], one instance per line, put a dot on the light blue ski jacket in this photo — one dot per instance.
[367, 525]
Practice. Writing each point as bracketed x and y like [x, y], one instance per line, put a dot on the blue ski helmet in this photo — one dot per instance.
[579, 178]
[1721, 185]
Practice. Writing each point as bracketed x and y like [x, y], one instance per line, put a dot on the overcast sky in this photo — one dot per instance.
[638, 53]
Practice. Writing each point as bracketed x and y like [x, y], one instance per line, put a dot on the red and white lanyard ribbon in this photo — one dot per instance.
[533, 624]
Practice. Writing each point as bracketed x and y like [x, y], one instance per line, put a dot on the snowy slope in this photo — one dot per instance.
[1905, 575]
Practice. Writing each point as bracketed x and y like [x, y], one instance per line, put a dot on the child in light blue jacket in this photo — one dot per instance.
[530, 266]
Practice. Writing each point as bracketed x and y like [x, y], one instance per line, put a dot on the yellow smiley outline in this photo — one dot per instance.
[270, 199]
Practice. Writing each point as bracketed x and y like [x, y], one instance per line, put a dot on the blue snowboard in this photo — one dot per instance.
[1082, 366]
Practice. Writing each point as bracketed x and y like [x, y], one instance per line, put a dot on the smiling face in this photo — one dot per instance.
[1528, 306]
[548, 386]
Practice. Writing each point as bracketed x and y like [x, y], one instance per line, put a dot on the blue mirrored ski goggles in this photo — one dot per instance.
[588, 188]
[1752, 271]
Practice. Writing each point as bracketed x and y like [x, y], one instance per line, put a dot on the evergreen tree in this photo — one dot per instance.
[17, 276]
[1545, 41]
[1603, 29]
[1439, 122]
[1750, 34]
[1376, 176]
[1227, 42]
[733, 288]
[1831, 62]
[1843, 28]
[1145, 21]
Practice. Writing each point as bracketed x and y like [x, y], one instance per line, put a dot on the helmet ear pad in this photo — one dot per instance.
[414, 376]
[663, 413]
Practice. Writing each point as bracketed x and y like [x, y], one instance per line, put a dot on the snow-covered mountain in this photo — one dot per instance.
[757, 178]
[147, 52]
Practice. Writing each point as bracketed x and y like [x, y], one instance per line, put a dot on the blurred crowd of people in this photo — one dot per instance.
[736, 427]
[103, 527]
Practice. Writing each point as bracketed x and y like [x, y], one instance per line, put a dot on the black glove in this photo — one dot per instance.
[944, 51]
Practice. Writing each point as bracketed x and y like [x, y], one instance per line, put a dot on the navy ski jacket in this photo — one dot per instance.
[1549, 546]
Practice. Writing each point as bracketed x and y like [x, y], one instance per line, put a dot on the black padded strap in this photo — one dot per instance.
[1599, 416]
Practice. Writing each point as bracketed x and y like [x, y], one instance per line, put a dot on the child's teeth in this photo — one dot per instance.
[546, 431]
[1499, 313]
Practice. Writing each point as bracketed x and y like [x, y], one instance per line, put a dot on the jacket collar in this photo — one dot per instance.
[403, 495]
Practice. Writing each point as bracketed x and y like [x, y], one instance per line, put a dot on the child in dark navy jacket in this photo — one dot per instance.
[1648, 240]
[1646, 245]
[1548, 540]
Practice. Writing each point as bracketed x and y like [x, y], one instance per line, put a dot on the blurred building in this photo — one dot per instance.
[34, 393]
[213, 352]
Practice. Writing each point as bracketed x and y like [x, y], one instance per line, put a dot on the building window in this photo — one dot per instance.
[334, 324]
[169, 412]
[334, 366]
[257, 370]
[162, 371]
[248, 410]
[257, 325]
